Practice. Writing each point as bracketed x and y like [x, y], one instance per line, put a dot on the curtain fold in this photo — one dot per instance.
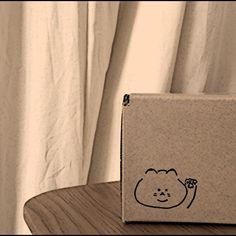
[199, 48]
[65, 67]
[102, 21]
[11, 102]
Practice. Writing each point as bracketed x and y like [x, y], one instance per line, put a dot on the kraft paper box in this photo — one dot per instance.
[178, 158]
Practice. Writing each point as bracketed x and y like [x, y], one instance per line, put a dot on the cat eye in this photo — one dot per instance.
[166, 189]
[159, 189]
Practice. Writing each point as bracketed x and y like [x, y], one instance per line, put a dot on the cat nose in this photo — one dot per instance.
[162, 193]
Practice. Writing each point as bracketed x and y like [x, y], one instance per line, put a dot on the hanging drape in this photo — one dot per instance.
[64, 67]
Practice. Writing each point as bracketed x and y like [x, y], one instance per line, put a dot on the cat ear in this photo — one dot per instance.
[150, 171]
[172, 171]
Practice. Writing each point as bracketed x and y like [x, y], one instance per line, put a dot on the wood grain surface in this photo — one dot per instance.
[96, 209]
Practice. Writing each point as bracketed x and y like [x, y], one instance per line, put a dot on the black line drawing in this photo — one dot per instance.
[164, 190]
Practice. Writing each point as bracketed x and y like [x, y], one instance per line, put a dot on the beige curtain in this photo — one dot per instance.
[64, 67]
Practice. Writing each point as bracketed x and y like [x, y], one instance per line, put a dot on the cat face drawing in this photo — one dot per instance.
[163, 189]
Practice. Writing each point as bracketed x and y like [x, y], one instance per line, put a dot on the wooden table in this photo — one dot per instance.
[96, 209]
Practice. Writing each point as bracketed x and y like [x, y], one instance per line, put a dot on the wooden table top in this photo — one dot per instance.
[96, 209]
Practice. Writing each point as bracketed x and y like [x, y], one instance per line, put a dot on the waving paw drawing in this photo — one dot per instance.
[163, 189]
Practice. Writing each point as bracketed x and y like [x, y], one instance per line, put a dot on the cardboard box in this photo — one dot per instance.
[178, 158]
